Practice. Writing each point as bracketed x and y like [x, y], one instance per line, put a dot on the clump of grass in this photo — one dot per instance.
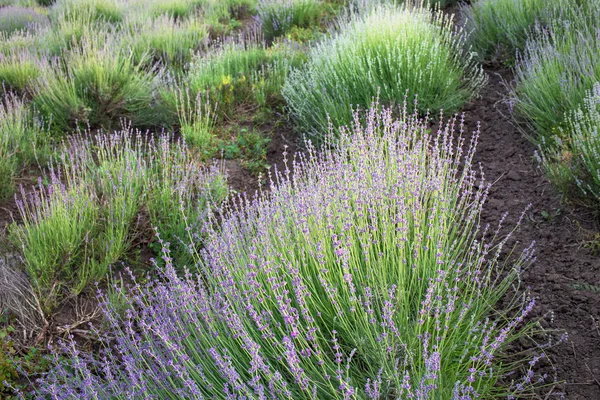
[23, 141]
[14, 18]
[278, 17]
[98, 84]
[412, 49]
[361, 275]
[573, 163]
[165, 40]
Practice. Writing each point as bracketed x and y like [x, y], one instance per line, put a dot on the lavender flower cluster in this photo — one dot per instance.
[363, 274]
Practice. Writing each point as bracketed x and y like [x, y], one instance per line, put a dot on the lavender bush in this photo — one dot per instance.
[98, 84]
[412, 49]
[277, 17]
[85, 219]
[360, 275]
[13, 18]
[23, 140]
[556, 69]
[573, 164]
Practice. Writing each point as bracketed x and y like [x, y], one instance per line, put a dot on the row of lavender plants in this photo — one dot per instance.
[364, 273]
[555, 49]
[73, 73]
[94, 63]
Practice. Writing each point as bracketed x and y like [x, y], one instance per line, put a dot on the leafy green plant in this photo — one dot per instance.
[411, 50]
[251, 147]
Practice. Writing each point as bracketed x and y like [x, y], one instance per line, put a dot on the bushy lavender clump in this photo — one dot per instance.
[359, 276]
[411, 50]
[72, 230]
[13, 18]
[500, 27]
[277, 17]
[98, 84]
[558, 66]
[573, 163]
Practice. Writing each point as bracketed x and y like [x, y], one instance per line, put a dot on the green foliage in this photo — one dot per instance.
[251, 147]
[96, 10]
[99, 84]
[19, 18]
[278, 17]
[168, 41]
[54, 236]
[178, 202]
[556, 70]
[85, 220]
[500, 27]
[572, 161]
[19, 71]
[240, 73]
[197, 123]
[411, 50]
[14, 358]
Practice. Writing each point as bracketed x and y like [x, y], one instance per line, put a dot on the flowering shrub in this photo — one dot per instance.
[360, 275]
[277, 17]
[573, 164]
[412, 49]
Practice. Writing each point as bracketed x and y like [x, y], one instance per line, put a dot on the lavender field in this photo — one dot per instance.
[289, 199]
